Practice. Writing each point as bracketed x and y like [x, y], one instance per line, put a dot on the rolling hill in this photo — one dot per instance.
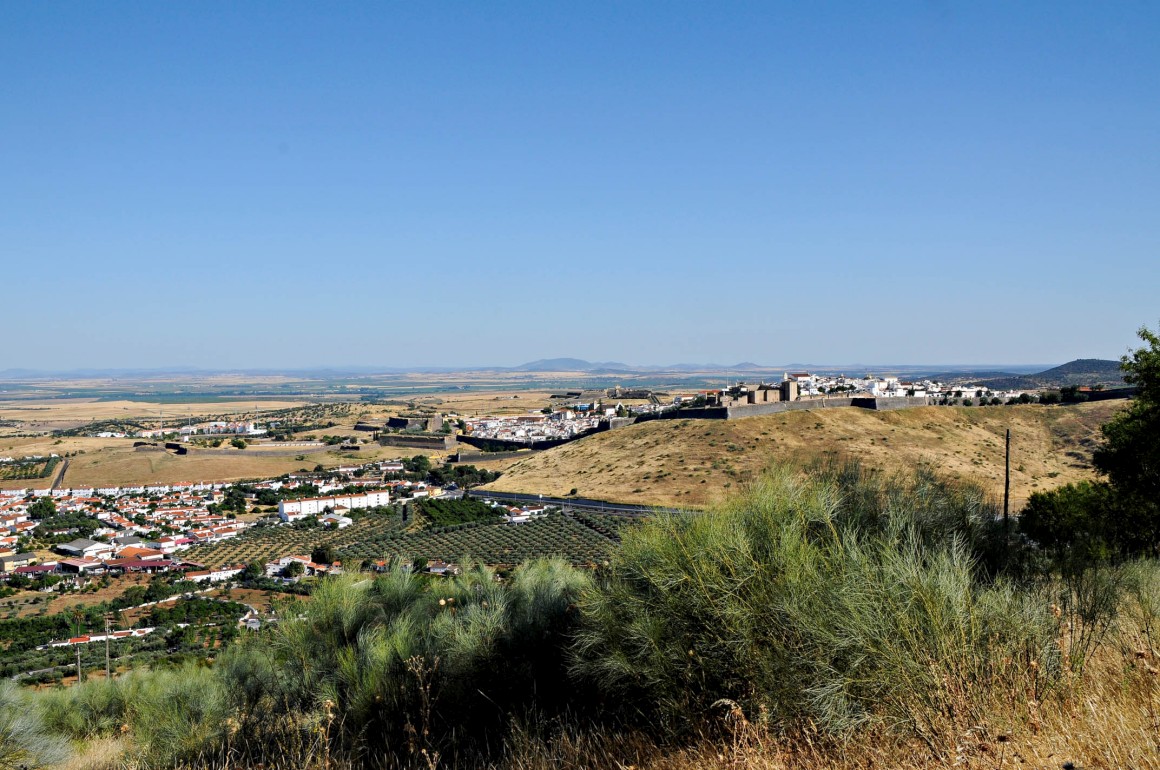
[1083, 371]
[695, 462]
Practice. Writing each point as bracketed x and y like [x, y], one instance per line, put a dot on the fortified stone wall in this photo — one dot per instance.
[703, 413]
[739, 411]
[1110, 393]
[494, 445]
[464, 456]
[775, 407]
[887, 404]
[413, 440]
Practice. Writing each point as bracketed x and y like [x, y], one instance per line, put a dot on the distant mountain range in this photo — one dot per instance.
[1084, 371]
[570, 365]
[580, 365]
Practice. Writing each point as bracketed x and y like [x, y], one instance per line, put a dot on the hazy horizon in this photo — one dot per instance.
[674, 367]
[292, 185]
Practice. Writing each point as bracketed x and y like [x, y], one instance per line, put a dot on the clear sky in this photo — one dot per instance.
[303, 184]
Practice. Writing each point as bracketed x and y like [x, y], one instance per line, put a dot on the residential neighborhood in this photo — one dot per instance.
[62, 538]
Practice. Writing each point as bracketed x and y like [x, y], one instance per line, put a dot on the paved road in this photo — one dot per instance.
[60, 475]
[577, 503]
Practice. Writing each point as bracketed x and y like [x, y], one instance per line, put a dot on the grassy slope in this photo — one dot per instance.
[697, 462]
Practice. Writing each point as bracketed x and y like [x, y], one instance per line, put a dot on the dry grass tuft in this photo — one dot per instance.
[98, 754]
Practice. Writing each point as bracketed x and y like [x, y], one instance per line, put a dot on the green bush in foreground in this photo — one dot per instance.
[172, 715]
[24, 739]
[840, 599]
[402, 663]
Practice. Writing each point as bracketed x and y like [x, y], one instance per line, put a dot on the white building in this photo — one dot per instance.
[337, 520]
[293, 510]
[215, 575]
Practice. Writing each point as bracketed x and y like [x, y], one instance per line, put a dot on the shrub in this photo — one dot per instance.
[1142, 584]
[1075, 522]
[839, 600]
[174, 715]
[1130, 455]
[24, 740]
[400, 660]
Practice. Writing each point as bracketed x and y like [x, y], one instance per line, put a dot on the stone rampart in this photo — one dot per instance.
[738, 411]
[465, 456]
[887, 404]
[418, 441]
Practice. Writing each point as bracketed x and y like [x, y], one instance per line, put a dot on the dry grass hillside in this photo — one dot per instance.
[697, 462]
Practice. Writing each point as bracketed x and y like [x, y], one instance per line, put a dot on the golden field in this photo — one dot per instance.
[113, 461]
[698, 462]
[65, 413]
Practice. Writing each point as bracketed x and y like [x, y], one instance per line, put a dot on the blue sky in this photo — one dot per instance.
[289, 185]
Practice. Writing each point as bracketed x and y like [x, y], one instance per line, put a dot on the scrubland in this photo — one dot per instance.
[832, 616]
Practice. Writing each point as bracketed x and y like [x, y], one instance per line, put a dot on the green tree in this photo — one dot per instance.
[418, 464]
[323, 554]
[293, 569]
[240, 443]
[1130, 456]
[1072, 522]
[43, 508]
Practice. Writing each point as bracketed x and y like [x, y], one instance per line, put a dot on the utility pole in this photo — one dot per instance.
[1007, 490]
[108, 633]
[77, 615]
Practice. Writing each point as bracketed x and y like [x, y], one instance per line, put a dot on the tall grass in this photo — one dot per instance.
[840, 599]
[172, 715]
[25, 741]
[400, 664]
